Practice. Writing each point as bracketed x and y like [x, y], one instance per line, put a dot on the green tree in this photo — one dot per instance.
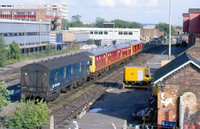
[165, 28]
[90, 41]
[47, 49]
[3, 51]
[76, 18]
[28, 114]
[135, 25]
[4, 101]
[119, 23]
[99, 22]
[65, 24]
[15, 51]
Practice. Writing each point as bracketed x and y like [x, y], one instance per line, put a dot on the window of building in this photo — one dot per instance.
[3, 5]
[95, 32]
[91, 32]
[64, 73]
[125, 32]
[100, 32]
[130, 33]
[105, 32]
[120, 32]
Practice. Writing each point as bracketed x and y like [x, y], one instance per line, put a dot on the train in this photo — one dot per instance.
[47, 79]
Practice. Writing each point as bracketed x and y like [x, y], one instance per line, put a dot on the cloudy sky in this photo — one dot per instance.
[143, 11]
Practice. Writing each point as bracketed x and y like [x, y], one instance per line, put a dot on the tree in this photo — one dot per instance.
[28, 114]
[76, 18]
[135, 25]
[47, 49]
[99, 22]
[165, 28]
[4, 101]
[15, 51]
[65, 24]
[3, 51]
[90, 42]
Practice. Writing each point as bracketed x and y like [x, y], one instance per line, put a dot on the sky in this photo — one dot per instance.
[142, 11]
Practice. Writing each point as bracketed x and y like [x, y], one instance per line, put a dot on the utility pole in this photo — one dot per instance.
[169, 57]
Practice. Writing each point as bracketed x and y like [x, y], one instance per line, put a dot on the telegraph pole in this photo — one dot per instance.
[169, 57]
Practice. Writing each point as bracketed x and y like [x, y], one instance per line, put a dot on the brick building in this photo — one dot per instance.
[191, 24]
[150, 32]
[178, 94]
[35, 13]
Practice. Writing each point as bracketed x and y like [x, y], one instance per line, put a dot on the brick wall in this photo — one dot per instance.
[186, 83]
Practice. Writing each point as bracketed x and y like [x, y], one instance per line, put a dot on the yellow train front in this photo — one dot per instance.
[136, 77]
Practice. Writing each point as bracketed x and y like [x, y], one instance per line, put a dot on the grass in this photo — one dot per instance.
[37, 55]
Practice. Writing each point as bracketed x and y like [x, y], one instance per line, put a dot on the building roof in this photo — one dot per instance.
[194, 10]
[185, 14]
[99, 51]
[175, 65]
[60, 62]
[19, 21]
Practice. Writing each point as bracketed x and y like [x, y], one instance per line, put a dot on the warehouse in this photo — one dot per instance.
[110, 35]
[30, 36]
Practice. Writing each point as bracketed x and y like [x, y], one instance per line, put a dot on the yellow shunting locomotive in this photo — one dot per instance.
[136, 77]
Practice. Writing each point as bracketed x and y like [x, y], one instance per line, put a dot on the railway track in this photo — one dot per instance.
[70, 105]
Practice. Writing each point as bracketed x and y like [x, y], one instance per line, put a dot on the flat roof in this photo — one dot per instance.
[194, 10]
[185, 14]
[114, 29]
[19, 21]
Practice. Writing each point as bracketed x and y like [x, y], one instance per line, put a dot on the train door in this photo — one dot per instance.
[35, 80]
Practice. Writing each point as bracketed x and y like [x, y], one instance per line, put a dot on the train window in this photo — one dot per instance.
[64, 73]
[130, 33]
[97, 60]
[56, 75]
[125, 32]
[80, 68]
[72, 70]
[105, 32]
[104, 56]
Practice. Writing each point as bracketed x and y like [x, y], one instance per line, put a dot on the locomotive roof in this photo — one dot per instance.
[61, 61]
[99, 51]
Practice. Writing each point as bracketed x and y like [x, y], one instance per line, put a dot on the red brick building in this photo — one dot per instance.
[178, 97]
[191, 24]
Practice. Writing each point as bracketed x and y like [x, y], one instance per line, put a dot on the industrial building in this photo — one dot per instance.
[110, 35]
[39, 13]
[150, 33]
[191, 24]
[65, 39]
[178, 91]
[30, 36]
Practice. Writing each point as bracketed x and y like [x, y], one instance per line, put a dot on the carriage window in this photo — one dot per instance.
[72, 70]
[56, 75]
[80, 68]
[97, 61]
[64, 73]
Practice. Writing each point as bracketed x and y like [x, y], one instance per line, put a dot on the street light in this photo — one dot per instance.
[169, 57]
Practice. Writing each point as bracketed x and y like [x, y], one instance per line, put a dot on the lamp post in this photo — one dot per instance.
[169, 57]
